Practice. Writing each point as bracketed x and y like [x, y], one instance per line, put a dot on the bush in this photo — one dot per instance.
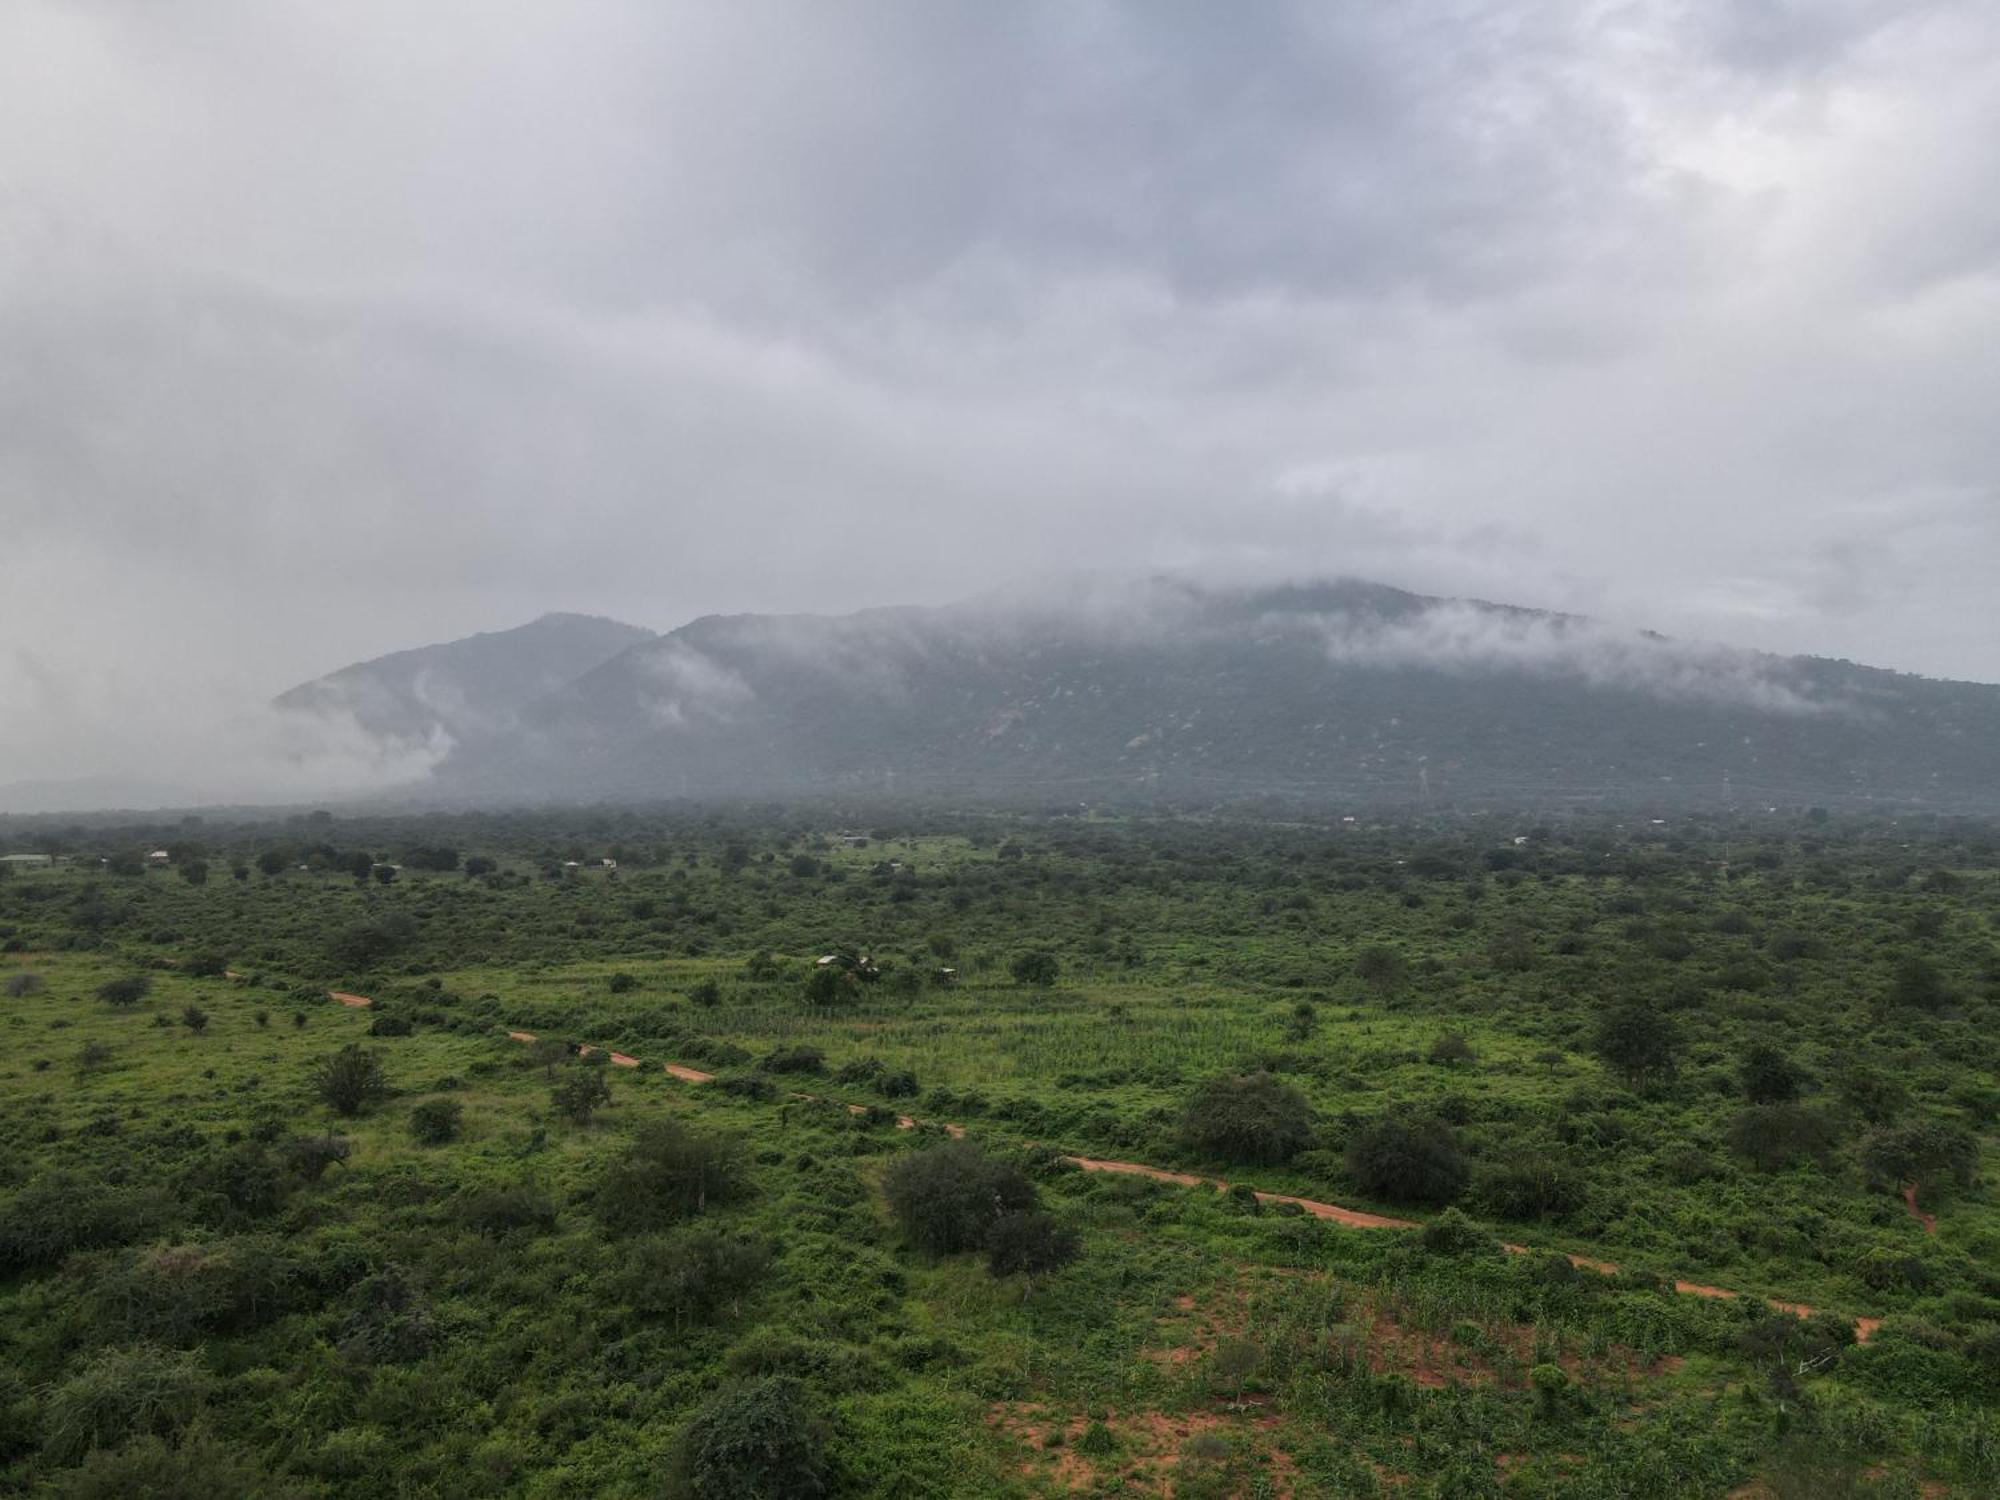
[351, 1079]
[794, 1060]
[1039, 969]
[621, 982]
[62, 1212]
[392, 1321]
[669, 1173]
[310, 1155]
[499, 1211]
[121, 1394]
[436, 1122]
[196, 1468]
[177, 1294]
[948, 1197]
[1029, 1243]
[1452, 1233]
[691, 1276]
[26, 983]
[1451, 1050]
[1532, 1187]
[1251, 1118]
[127, 990]
[761, 1440]
[1408, 1159]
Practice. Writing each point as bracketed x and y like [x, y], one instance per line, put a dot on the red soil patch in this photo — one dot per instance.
[619, 1059]
[1928, 1220]
[689, 1075]
[346, 999]
[521, 1036]
[1152, 1448]
[232, 974]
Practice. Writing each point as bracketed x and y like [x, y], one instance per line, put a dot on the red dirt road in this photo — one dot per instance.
[346, 999]
[1352, 1218]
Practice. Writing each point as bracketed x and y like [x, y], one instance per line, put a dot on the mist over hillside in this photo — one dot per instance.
[1166, 689]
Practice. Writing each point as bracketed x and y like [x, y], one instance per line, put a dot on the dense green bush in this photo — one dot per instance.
[1408, 1159]
[1029, 1243]
[947, 1198]
[1248, 1118]
[761, 1440]
[126, 990]
[123, 1393]
[690, 1275]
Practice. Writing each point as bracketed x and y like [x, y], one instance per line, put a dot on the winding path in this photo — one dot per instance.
[1333, 1213]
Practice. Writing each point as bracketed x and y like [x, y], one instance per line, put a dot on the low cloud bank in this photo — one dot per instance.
[1468, 638]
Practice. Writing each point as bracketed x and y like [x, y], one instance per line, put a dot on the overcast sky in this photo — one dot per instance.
[327, 329]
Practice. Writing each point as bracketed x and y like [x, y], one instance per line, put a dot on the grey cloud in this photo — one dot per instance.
[329, 330]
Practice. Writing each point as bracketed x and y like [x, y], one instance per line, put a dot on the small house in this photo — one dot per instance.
[159, 857]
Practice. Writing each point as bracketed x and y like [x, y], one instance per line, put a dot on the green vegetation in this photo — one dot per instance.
[397, 1250]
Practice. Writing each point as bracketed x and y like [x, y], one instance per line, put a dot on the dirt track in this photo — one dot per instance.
[1333, 1213]
[358, 1001]
[1928, 1220]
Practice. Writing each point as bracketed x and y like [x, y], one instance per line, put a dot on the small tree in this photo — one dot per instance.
[1039, 969]
[436, 1122]
[1922, 1152]
[351, 1079]
[579, 1094]
[273, 861]
[195, 1019]
[194, 871]
[1251, 1118]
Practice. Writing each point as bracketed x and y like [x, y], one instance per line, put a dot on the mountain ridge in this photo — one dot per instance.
[1172, 689]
